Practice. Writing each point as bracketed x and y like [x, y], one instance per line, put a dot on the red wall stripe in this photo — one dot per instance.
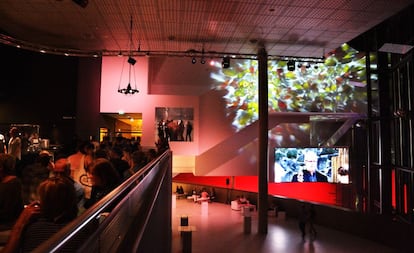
[325, 193]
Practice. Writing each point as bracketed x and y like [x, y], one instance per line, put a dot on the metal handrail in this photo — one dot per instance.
[57, 241]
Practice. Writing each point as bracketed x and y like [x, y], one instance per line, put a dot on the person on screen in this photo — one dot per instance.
[298, 177]
[310, 173]
[343, 177]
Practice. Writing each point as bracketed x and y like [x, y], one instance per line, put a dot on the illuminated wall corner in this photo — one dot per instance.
[183, 164]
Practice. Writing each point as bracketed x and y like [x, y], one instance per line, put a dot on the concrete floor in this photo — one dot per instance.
[218, 229]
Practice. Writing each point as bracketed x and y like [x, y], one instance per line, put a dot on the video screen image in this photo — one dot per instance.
[337, 85]
[311, 164]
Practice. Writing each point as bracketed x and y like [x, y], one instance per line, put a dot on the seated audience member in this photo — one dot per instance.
[243, 200]
[204, 194]
[104, 178]
[11, 200]
[40, 220]
[194, 195]
[180, 190]
[62, 168]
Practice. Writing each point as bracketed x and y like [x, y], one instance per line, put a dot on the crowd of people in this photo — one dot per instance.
[41, 192]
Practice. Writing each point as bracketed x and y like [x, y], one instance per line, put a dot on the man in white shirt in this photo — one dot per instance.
[15, 144]
[2, 144]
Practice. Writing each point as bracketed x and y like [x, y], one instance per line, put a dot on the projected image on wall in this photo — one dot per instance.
[338, 84]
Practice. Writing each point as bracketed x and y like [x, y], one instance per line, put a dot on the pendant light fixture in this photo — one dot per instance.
[131, 62]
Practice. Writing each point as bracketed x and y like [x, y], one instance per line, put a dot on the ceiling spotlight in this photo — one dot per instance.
[203, 61]
[291, 65]
[131, 60]
[225, 63]
[194, 60]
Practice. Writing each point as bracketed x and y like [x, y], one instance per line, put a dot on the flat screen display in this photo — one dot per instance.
[312, 164]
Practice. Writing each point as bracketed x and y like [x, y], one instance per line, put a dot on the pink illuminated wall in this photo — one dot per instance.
[220, 146]
[175, 82]
[142, 102]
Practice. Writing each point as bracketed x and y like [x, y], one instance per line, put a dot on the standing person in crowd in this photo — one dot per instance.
[162, 145]
[138, 160]
[120, 165]
[40, 220]
[3, 148]
[11, 200]
[77, 161]
[62, 168]
[136, 144]
[14, 147]
[151, 154]
[34, 173]
[104, 178]
[78, 164]
[101, 152]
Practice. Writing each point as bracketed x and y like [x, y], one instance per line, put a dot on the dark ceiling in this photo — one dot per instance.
[297, 28]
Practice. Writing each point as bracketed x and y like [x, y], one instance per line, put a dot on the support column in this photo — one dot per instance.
[263, 142]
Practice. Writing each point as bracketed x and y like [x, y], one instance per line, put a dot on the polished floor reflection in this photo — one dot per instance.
[219, 229]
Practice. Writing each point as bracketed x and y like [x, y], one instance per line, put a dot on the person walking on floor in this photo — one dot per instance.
[312, 215]
[303, 217]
